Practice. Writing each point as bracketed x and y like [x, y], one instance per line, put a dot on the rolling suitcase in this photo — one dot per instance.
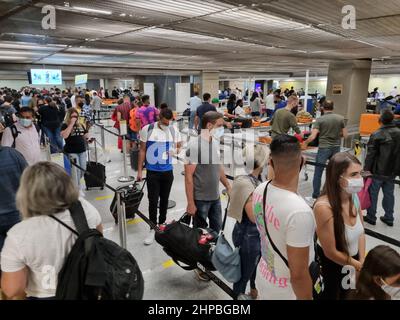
[132, 197]
[95, 175]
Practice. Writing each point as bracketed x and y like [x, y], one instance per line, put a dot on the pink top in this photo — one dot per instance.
[147, 115]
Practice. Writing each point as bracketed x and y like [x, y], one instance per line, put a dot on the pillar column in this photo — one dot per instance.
[347, 87]
[210, 83]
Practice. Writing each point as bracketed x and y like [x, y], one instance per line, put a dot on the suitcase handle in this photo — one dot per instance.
[144, 183]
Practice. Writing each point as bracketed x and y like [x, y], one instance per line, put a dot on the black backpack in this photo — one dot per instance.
[97, 268]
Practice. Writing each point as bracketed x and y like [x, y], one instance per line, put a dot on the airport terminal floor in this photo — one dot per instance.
[240, 154]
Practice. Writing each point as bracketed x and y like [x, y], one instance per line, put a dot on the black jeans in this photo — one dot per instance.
[158, 188]
[333, 276]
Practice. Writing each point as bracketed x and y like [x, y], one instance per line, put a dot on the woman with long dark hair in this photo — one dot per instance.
[380, 276]
[231, 104]
[340, 226]
[255, 104]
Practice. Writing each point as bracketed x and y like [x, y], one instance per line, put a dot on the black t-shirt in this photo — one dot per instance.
[203, 109]
[75, 143]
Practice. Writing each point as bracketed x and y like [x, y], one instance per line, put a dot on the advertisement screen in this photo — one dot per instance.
[81, 79]
[46, 77]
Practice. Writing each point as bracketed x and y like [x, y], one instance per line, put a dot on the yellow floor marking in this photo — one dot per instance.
[134, 221]
[104, 197]
[168, 264]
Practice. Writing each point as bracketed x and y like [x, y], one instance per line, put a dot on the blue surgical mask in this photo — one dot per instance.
[25, 122]
[217, 133]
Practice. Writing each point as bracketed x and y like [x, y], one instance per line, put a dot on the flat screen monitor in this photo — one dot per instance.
[46, 77]
[81, 79]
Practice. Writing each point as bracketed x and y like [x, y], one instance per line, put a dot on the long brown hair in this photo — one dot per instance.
[383, 262]
[336, 168]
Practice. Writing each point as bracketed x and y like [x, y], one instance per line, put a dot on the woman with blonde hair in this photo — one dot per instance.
[36, 248]
[245, 234]
[76, 137]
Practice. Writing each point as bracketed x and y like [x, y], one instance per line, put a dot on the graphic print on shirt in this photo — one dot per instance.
[267, 263]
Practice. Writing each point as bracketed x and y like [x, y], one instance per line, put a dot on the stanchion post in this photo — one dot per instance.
[48, 150]
[121, 219]
[74, 171]
[103, 138]
[125, 178]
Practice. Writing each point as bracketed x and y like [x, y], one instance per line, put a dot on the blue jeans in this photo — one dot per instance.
[246, 236]
[56, 141]
[191, 119]
[387, 201]
[81, 161]
[7, 221]
[212, 211]
[323, 155]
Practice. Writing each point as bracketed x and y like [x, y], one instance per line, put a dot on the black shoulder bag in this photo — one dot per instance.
[315, 266]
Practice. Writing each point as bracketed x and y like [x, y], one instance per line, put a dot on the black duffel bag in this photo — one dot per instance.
[186, 245]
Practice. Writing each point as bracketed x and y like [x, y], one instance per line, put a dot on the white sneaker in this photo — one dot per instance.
[150, 238]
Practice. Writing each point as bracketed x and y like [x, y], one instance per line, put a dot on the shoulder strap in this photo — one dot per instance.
[225, 216]
[266, 227]
[14, 132]
[64, 224]
[79, 218]
[150, 130]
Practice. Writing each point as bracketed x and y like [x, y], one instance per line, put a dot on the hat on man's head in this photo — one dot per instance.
[215, 100]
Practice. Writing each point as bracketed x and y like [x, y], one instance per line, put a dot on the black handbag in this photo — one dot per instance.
[315, 266]
[182, 243]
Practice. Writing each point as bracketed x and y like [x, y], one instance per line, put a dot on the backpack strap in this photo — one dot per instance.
[150, 130]
[14, 132]
[64, 224]
[79, 218]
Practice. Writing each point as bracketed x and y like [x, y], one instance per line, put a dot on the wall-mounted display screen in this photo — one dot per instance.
[81, 79]
[46, 77]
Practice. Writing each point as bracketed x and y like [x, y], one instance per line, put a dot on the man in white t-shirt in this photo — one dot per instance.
[290, 224]
[270, 103]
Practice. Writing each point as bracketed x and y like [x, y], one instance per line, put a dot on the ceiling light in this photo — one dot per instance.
[122, 15]
[92, 10]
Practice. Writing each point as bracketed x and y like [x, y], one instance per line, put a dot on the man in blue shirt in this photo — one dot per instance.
[280, 104]
[158, 143]
[26, 98]
[12, 164]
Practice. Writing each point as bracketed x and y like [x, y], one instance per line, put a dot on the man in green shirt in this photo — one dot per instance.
[284, 119]
[330, 128]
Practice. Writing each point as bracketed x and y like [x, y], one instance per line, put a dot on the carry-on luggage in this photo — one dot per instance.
[95, 175]
[187, 245]
[132, 196]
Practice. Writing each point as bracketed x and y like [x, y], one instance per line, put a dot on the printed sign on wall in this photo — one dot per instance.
[337, 89]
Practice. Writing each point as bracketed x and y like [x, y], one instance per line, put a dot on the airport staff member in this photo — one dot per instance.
[330, 128]
[284, 119]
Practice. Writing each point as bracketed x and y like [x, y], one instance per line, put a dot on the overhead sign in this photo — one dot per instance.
[337, 89]
[46, 77]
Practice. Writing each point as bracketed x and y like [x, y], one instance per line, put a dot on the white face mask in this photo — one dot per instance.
[354, 185]
[393, 292]
[217, 133]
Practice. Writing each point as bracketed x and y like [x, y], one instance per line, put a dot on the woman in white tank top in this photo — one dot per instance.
[340, 226]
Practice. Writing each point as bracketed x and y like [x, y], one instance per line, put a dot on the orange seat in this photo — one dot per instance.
[369, 123]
